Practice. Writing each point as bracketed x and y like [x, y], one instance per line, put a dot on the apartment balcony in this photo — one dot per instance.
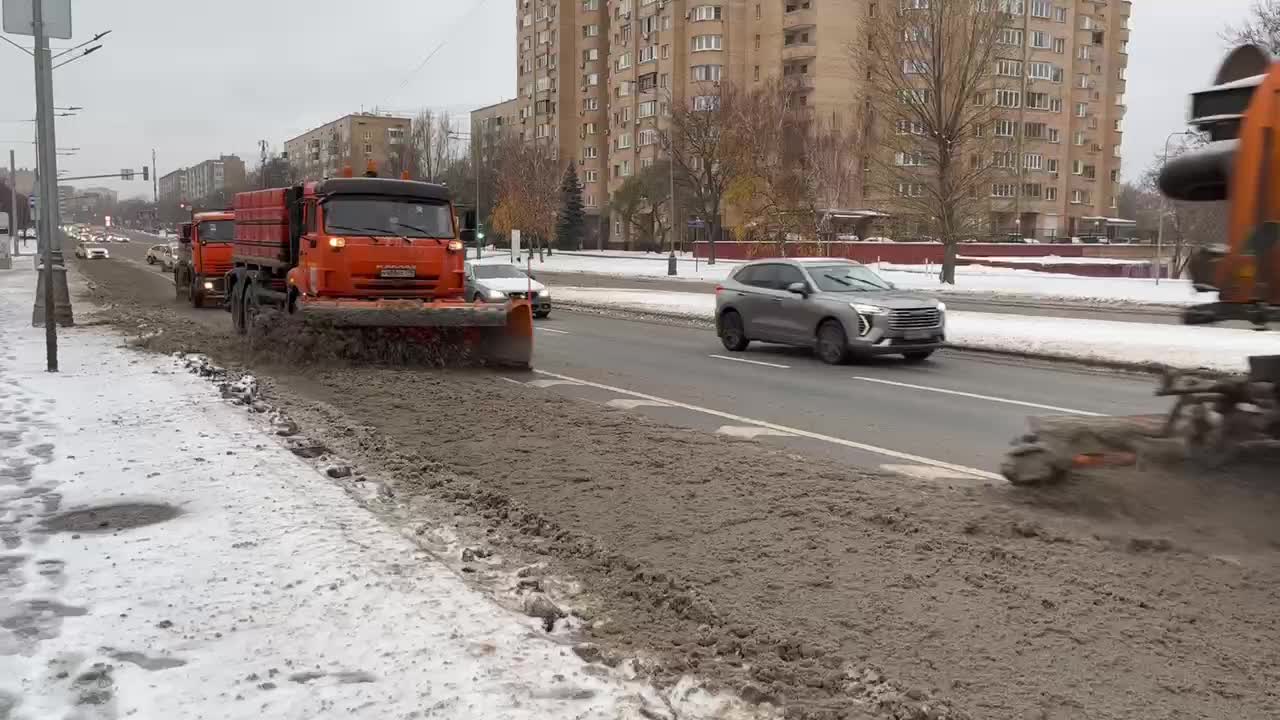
[799, 51]
[800, 17]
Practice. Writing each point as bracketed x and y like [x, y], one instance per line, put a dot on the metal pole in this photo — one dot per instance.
[13, 203]
[47, 150]
[479, 215]
[1159, 244]
[155, 180]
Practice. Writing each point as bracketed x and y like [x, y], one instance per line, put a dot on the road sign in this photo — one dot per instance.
[55, 13]
[126, 174]
[33, 201]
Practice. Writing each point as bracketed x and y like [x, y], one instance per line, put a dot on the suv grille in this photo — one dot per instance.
[917, 319]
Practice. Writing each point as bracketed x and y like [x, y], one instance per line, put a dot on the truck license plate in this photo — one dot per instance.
[918, 335]
[399, 271]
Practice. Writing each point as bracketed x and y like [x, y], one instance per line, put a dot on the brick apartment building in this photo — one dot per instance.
[594, 78]
[352, 140]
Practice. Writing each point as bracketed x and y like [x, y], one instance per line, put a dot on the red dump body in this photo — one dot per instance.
[262, 225]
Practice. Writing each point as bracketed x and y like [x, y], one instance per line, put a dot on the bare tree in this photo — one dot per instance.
[769, 193]
[701, 141]
[528, 189]
[430, 147]
[832, 173]
[934, 88]
[1262, 27]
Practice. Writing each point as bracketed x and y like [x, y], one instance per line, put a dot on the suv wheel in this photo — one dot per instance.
[833, 345]
[732, 335]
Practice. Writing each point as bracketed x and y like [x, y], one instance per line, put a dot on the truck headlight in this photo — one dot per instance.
[868, 309]
[208, 286]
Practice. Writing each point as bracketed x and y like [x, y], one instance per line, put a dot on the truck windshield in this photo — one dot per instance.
[385, 217]
[217, 231]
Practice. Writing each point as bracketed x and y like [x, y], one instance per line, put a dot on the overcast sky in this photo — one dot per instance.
[195, 78]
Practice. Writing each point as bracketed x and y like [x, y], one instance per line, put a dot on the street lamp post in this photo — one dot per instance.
[1164, 206]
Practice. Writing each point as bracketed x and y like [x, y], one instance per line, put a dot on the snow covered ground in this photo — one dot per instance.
[205, 571]
[990, 281]
[1096, 340]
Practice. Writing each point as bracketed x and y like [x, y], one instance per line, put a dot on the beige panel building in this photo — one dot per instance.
[594, 78]
[352, 140]
[495, 119]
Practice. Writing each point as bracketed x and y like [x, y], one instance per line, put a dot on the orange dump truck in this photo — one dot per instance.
[368, 252]
[204, 257]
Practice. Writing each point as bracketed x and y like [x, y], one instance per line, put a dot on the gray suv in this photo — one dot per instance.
[838, 307]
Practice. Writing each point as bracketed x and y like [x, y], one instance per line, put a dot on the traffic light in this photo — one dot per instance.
[146, 172]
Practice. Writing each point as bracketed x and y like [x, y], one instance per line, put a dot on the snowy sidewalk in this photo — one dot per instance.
[1177, 346]
[231, 579]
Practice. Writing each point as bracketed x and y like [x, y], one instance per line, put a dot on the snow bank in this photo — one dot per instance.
[970, 279]
[1179, 346]
[234, 581]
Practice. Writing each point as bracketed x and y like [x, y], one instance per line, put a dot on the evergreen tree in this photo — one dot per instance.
[570, 223]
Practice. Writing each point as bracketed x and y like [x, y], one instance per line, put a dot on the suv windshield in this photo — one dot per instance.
[847, 278]
[497, 271]
[386, 217]
[216, 231]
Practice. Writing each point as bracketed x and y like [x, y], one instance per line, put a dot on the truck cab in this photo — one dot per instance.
[204, 257]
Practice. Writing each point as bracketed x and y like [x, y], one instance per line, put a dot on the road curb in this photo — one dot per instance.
[1146, 368]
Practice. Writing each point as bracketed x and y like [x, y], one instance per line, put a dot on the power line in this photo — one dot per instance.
[447, 37]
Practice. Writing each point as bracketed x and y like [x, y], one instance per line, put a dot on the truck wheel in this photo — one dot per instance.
[180, 289]
[249, 305]
[195, 293]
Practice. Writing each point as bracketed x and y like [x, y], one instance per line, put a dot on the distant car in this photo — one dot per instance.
[170, 257]
[500, 282]
[88, 251]
[838, 307]
[155, 252]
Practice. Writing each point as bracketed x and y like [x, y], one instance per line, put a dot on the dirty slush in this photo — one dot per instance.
[831, 592]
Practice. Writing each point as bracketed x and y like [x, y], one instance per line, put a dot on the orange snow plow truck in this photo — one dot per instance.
[369, 253]
[204, 257]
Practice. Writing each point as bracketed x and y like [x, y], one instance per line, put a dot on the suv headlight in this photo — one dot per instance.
[495, 295]
[942, 307]
[868, 309]
[543, 293]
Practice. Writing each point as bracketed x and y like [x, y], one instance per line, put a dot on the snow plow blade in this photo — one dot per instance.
[497, 334]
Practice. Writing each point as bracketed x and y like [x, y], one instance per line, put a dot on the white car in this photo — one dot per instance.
[499, 282]
[89, 251]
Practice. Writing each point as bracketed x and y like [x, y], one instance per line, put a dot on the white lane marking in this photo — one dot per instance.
[552, 383]
[926, 473]
[750, 432]
[552, 330]
[513, 381]
[752, 362]
[907, 457]
[632, 403]
[977, 396]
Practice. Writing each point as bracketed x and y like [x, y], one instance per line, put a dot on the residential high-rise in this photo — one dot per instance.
[595, 77]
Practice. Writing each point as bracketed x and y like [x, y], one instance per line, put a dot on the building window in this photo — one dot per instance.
[1041, 8]
[1040, 39]
[1033, 161]
[591, 55]
[1004, 128]
[909, 159]
[757, 42]
[1008, 68]
[1003, 190]
[623, 142]
[591, 176]
[590, 104]
[395, 136]
[1031, 190]
[591, 79]
[1004, 160]
[666, 51]
[706, 73]
[1051, 165]
[1038, 101]
[707, 42]
[591, 30]
[755, 74]
[648, 108]
[1082, 110]
[707, 12]
[1040, 71]
[623, 62]
[1054, 135]
[589, 152]
[1079, 197]
[1055, 105]
[648, 136]
[1060, 14]
[1008, 98]
[1060, 45]
[911, 189]
[1010, 36]
[1050, 192]
[1034, 131]
[706, 102]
